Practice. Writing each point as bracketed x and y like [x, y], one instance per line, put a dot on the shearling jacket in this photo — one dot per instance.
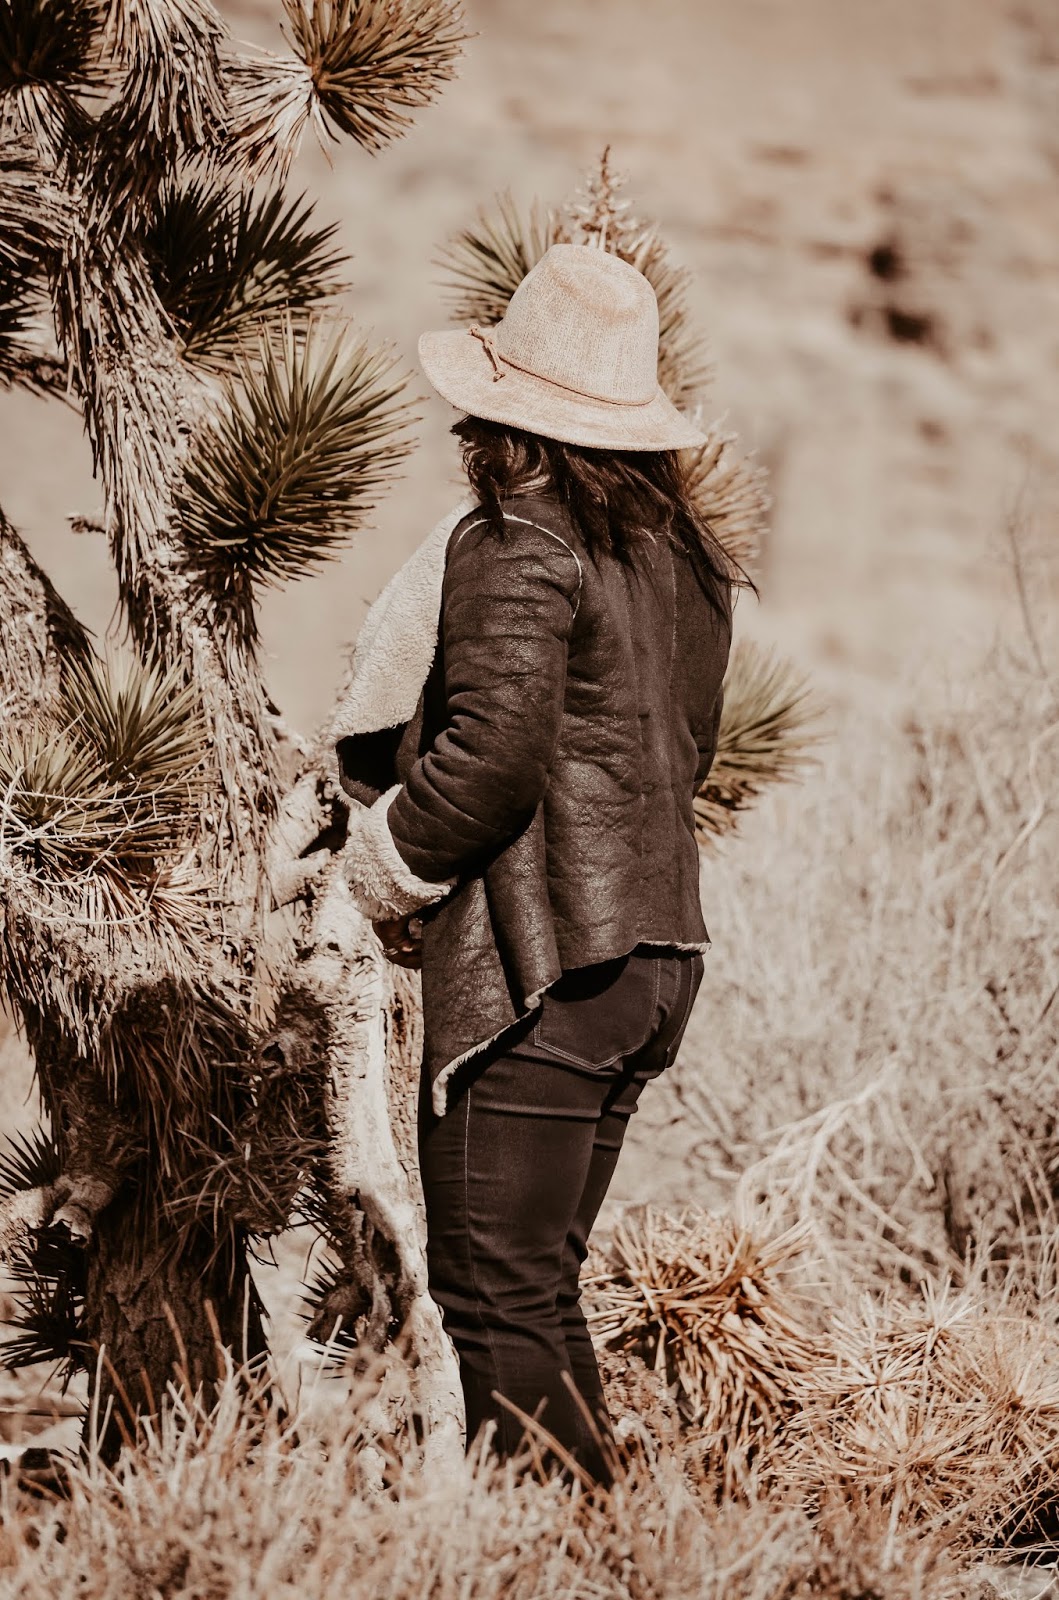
[536, 810]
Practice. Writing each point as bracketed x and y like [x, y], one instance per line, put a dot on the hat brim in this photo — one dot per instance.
[459, 368]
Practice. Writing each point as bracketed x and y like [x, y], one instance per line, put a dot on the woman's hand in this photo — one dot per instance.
[401, 940]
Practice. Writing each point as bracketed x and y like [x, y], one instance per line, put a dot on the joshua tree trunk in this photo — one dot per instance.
[154, 1313]
[145, 844]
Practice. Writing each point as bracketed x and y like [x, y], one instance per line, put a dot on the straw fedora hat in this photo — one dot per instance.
[574, 357]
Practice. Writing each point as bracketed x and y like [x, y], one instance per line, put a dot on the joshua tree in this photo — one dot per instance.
[218, 1043]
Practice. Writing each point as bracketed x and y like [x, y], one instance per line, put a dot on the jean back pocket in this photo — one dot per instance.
[594, 1017]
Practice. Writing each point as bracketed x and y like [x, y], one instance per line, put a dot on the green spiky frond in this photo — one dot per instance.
[225, 260]
[143, 723]
[108, 780]
[308, 439]
[34, 215]
[28, 1161]
[485, 263]
[172, 102]
[731, 491]
[373, 62]
[59, 804]
[49, 54]
[767, 736]
[271, 99]
[49, 1274]
[34, 219]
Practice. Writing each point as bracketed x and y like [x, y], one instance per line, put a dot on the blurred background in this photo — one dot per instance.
[867, 195]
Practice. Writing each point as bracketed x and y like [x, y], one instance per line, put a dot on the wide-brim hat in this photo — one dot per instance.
[575, 357]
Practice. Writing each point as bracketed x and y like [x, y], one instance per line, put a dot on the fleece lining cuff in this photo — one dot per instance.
[381, 882]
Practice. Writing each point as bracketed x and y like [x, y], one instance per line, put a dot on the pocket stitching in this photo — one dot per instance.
[598, 1066]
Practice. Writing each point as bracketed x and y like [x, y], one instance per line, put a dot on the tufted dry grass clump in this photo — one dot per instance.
[945, 1416]
[942, 1413]
[719, 1310]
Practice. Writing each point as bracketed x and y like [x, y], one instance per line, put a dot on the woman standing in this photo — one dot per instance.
[528, 835]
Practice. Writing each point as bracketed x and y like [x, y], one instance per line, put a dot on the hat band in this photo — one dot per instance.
[497, 357]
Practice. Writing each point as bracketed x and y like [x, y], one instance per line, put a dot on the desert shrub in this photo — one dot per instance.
[883, 1047]
[719, 1311]
[944, 1415]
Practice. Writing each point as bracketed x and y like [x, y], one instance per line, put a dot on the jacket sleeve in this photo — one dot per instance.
[507, 615]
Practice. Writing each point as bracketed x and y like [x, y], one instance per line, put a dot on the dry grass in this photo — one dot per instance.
[942, 1414]
[711, 1306]
[946, 1415]
[883, 1057]
[241, 1505]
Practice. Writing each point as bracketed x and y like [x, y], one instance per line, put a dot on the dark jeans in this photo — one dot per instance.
[514, 1175]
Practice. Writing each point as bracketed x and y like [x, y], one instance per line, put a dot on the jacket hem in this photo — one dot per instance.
[677, 944]
[439, 1089]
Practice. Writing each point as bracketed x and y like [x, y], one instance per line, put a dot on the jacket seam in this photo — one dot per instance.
[509, 516]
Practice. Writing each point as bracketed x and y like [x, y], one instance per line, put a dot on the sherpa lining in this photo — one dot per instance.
[398, 637]
[381, 882]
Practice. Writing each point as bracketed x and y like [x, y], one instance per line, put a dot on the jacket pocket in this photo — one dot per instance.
[594, 1017]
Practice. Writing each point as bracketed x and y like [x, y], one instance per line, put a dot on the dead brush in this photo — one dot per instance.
[711, 1304]
[244, 1499]
[945, 1416]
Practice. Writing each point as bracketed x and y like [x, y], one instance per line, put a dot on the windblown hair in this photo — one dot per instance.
[615, 497]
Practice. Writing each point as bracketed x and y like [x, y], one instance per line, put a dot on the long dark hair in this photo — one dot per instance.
[614, 497]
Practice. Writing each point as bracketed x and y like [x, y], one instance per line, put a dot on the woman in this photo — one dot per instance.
[529, 836]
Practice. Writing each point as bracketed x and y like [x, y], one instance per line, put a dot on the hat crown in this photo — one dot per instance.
[586, 320]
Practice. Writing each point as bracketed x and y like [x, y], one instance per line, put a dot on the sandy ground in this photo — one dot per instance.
[780, 143]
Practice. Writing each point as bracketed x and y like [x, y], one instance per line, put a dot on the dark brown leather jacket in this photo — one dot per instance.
[568, 719]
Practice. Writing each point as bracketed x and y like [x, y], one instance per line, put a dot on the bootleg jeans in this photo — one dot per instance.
[514, 1175]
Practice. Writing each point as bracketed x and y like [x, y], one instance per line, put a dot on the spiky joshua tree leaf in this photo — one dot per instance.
[28, 1161]
[225, 260]
[767, 735]
[487, 261]
[49, 53]
[33, 222]
[110, 777]
[311, 433]
[49, 1277]
[731, 491]
[372, 62]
